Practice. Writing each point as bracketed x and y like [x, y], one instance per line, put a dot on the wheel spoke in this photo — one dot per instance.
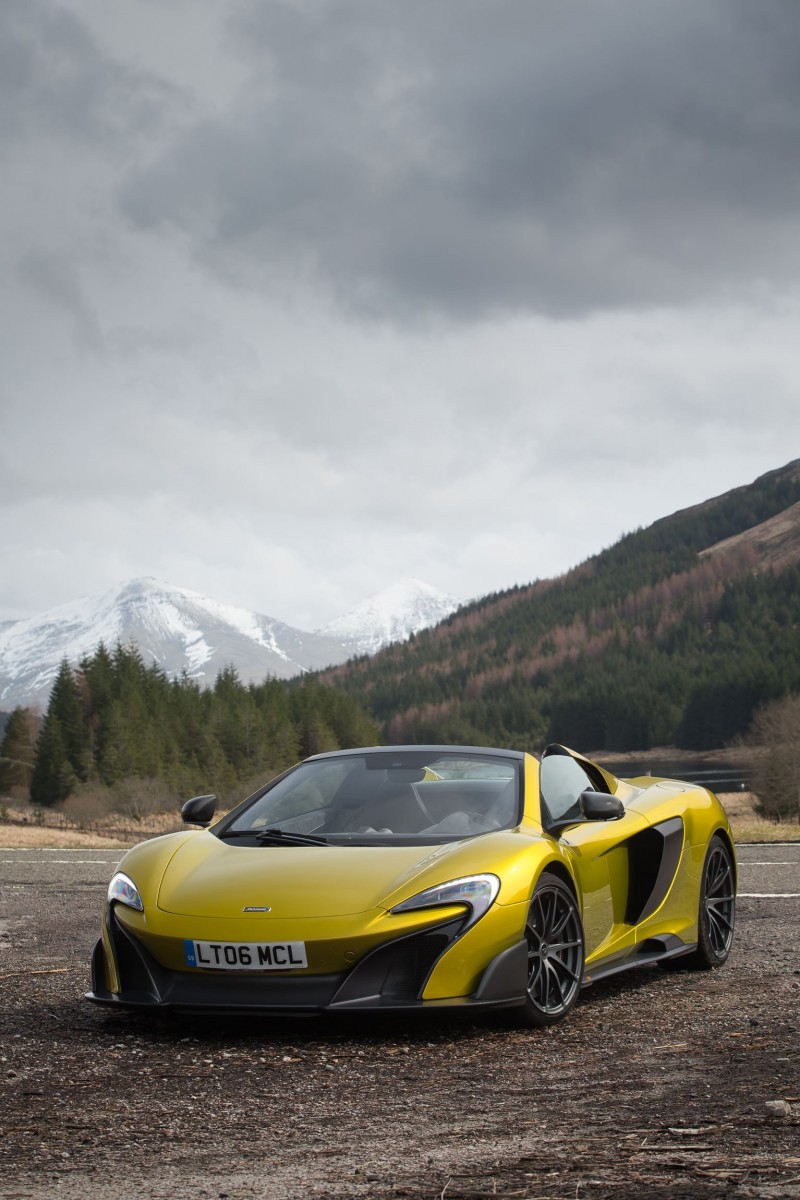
[558, 925]
[716, 914]
[718, 870]
[556, 984]
[720, 930]
[719, 933]
[565, 968]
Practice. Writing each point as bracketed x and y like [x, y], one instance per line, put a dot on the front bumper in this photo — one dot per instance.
[390, 977]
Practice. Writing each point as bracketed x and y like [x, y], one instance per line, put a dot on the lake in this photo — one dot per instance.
[718, 776]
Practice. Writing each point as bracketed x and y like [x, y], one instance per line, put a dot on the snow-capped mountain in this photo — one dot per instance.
[185, 631]
[392, 615]
[179, 629]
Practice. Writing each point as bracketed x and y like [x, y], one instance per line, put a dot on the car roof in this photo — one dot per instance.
[517, 755]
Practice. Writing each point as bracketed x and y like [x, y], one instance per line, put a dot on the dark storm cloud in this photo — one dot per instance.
[469, 157]
[186, 392]
[54, 79]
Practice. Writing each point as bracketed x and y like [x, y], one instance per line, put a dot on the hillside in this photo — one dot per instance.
[671, 636]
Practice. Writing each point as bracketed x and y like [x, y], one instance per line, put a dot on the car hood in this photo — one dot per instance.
[207, 877]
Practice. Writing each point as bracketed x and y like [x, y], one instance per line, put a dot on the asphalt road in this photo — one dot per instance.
[57, 868]
[658, 1085]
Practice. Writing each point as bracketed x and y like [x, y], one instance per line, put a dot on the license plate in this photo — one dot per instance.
[246, 956]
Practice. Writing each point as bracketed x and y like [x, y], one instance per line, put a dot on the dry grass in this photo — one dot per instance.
[765, 831]
[748, 826]
[26, 827]
[16, 837]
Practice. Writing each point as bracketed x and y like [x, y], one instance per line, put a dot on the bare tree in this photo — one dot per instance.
[139, 798]
[88, 805]
[776, 728]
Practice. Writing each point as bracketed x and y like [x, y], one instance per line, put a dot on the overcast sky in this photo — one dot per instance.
[301, 296]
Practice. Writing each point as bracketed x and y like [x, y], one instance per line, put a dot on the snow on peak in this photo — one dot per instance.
[184, 631]
[392, 615]
[181, 630]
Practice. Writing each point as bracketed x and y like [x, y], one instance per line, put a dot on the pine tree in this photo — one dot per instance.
[65, 707]
[53, 777]
[96, 693]
[18, 750]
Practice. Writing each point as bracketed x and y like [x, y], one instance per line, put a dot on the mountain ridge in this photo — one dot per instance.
[182, 631]
[776, 541]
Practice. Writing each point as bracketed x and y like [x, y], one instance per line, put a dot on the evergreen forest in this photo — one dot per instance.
[650, 643]
[114, 718]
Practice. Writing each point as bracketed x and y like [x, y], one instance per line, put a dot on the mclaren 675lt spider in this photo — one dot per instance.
[420, 877]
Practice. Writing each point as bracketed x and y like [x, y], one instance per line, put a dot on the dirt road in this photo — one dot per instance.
[657, 1086]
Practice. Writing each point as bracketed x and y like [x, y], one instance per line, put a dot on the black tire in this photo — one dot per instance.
[717, 913]
[555, 953]
[717, 907]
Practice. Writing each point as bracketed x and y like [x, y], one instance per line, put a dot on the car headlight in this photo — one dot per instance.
[124, 891]
[476, 891]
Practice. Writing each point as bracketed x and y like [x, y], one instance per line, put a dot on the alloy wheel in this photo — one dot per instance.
[719, 899]
[555, 949]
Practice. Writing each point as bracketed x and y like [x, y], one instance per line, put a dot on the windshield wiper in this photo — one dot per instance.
[275, 835]
[284, 835]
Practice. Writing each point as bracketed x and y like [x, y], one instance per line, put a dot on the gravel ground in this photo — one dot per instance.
[658, 1085]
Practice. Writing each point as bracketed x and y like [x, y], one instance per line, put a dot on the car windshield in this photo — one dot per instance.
[385, 797]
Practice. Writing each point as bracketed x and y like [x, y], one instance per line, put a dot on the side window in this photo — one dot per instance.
[562, 780]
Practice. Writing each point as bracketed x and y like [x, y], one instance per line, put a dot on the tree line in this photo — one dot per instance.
[114, 717]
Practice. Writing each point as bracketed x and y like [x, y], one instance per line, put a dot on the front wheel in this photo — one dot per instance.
[555, 952]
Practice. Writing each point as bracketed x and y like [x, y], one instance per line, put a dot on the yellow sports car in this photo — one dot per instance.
[420, 877]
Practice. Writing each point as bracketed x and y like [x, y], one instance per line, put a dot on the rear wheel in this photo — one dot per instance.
[717, 907]
[717, 911]
[555, 952]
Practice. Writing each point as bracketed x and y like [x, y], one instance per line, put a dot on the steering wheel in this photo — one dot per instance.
[489, 823]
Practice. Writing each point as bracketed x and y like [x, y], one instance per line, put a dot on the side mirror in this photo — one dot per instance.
[599, 806]
[199, 810]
